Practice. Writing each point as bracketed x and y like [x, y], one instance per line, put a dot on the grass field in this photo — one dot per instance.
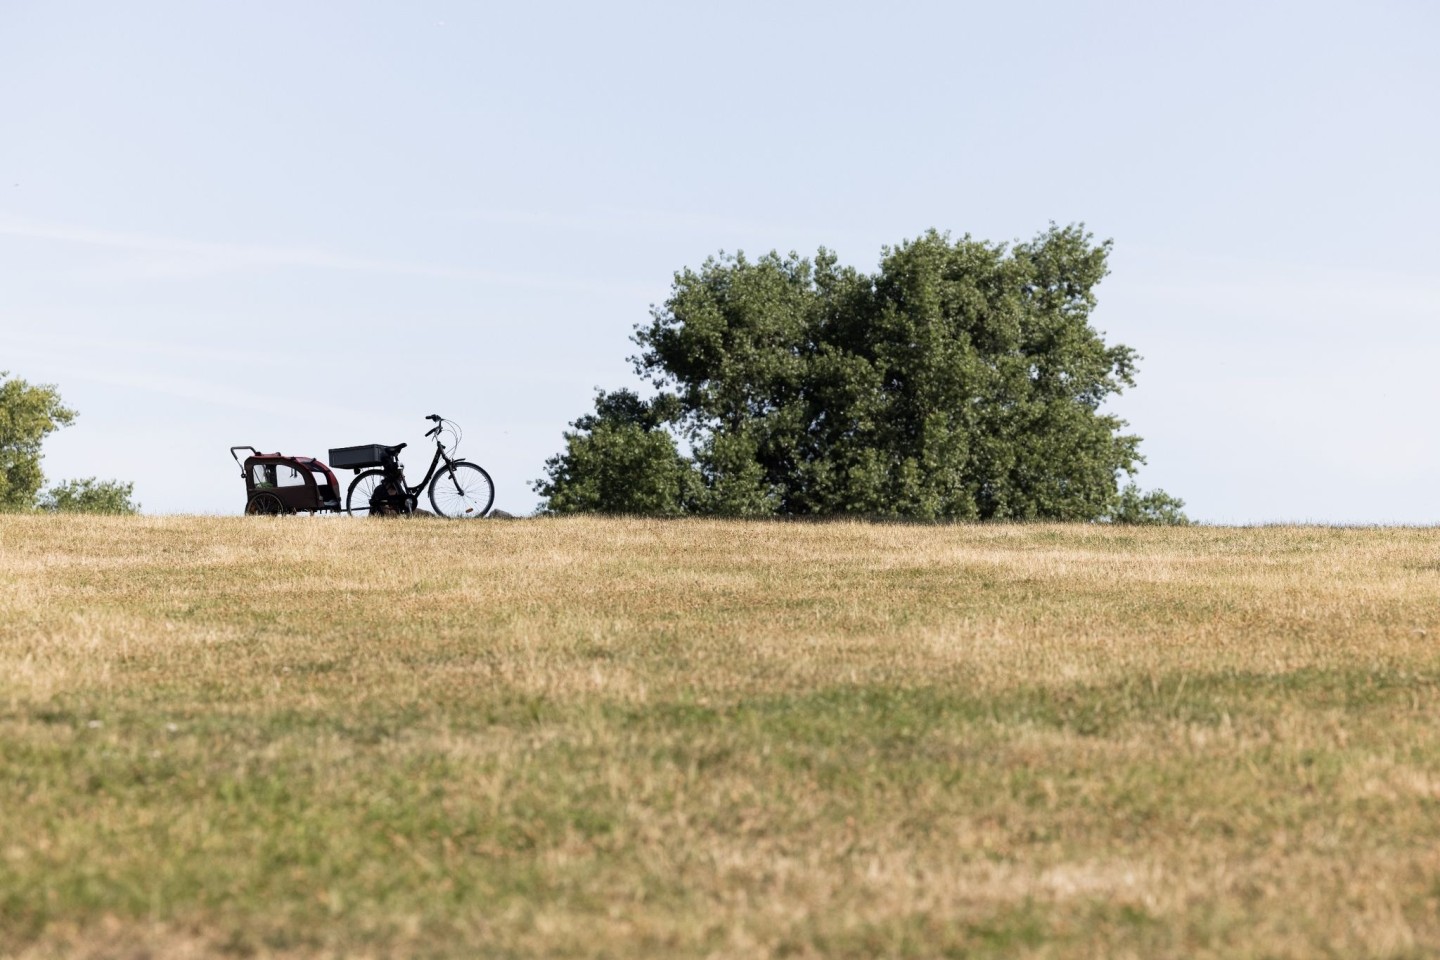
[280, 737]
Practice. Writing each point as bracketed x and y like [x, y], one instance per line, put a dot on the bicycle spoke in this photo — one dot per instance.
[465, 491]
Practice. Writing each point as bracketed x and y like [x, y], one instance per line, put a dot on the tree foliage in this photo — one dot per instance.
[1155, 508]
[619, 460]
[960, 381]
[90, 496]
[28, 414]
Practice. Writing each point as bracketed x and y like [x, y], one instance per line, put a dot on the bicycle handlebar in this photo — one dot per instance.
[439, 425]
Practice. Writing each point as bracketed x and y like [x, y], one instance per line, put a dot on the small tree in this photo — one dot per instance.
[618, 460]
[90, 496]
[1156, 508]
[28, 414]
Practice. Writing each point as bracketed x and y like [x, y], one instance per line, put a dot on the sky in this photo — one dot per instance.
[305, 225]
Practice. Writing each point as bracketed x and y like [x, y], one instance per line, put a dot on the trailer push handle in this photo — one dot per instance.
[237, 459]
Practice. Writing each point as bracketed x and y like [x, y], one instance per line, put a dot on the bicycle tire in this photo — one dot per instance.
[466, 490]
[362, 509]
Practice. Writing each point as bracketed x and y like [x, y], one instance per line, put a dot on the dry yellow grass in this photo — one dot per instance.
[281, 737]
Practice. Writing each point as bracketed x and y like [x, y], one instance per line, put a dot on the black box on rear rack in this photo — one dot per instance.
[357, 458]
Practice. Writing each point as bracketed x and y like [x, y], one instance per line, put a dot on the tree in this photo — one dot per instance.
[618, 460]
[28, 414]
[1156, 508]
[90, 496]
[960, 381]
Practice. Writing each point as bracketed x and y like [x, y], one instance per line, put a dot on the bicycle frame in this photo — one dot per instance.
[396, 474]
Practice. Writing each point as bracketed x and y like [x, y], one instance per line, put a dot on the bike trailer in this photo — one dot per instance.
[276, 483]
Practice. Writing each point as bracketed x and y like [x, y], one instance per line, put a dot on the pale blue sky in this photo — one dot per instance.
[304, 225]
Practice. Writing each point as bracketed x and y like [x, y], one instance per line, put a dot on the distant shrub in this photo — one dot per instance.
[1155, 508]
[90, 496]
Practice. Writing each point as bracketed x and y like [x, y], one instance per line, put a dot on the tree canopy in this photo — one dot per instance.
[28, 414]
[89, 495]
[960, 381]
[620, 460]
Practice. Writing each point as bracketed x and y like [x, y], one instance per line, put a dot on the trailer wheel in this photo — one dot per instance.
[264, 505]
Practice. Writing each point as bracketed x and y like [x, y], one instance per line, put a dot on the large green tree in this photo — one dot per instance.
[28, 414]
[962, 380]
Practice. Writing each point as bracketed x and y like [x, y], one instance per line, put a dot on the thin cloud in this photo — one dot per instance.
[1288, 293]
[627, 221]
[213, 256]
[56, 346]
[189, 389]
[160, 257]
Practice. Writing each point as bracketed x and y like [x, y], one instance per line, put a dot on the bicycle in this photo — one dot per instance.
[458, 488]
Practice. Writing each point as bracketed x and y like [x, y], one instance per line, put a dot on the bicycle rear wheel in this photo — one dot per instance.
[357, 500]
[462, 490]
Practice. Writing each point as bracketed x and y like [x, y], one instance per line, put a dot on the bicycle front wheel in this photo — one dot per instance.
[462, 490]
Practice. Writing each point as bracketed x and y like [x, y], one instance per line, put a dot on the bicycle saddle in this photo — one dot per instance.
[396, 449]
